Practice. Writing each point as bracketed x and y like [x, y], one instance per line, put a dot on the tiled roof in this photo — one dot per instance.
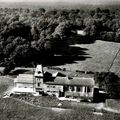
[74, 81]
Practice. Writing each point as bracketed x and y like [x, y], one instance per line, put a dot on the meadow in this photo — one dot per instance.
[12, 109]
[97, 57]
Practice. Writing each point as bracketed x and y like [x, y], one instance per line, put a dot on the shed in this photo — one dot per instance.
[81, 32]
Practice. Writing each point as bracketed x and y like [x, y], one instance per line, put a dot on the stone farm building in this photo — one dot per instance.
[56, 84]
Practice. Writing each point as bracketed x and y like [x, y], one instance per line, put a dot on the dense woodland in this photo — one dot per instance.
[30, 36]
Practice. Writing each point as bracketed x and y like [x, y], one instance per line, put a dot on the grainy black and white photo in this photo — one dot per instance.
[59, 59]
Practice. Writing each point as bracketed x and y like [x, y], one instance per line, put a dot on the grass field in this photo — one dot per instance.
[6, 83]
[97, 57]
[12, 109]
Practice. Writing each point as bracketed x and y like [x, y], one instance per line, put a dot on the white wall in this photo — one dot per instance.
[52, 88]
[23, 85]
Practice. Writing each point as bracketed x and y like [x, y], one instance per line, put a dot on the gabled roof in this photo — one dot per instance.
[47, 74]
[75, 81]
[58, 74]
[39, 71]
[48, 77]
[22, 78]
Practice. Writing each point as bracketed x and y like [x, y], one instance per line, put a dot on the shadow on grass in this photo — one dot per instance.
[65, 54]
[19, 71]
[81, 40]
[69, 55]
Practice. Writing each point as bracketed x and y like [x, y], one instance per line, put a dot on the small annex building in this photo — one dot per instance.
[24, 83]
[81, 32]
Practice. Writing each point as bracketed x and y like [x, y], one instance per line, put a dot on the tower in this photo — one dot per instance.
[38, 78]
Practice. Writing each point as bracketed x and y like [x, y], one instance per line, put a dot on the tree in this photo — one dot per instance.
[9, 66]
[17, 29]
[117, 36]
[34, 32]
[110, 83]
[63, 30]
[41, 11]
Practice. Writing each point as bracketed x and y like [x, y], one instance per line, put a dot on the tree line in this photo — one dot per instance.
[28, 36]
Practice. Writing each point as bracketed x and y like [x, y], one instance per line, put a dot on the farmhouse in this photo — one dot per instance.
[74, 87]
[56, 84]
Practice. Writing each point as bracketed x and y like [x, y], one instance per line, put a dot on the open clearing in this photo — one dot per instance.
[98, 57]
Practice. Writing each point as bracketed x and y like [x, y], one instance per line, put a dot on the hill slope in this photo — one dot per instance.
[12, 109]
[6, 83]
[98, 57]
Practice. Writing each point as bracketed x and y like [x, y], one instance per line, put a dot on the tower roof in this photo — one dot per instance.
[39, 71]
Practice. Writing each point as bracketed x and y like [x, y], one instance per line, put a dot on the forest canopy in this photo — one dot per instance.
[41, 33]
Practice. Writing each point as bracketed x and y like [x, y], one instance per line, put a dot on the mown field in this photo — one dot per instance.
[97, 57]
[12, 109]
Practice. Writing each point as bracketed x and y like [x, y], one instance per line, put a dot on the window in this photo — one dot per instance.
[72, 88]
[66, 88]
[78, 89]
[85, 89]
[39, 72]
[88, 89]
[38, 79]
[38, 84]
